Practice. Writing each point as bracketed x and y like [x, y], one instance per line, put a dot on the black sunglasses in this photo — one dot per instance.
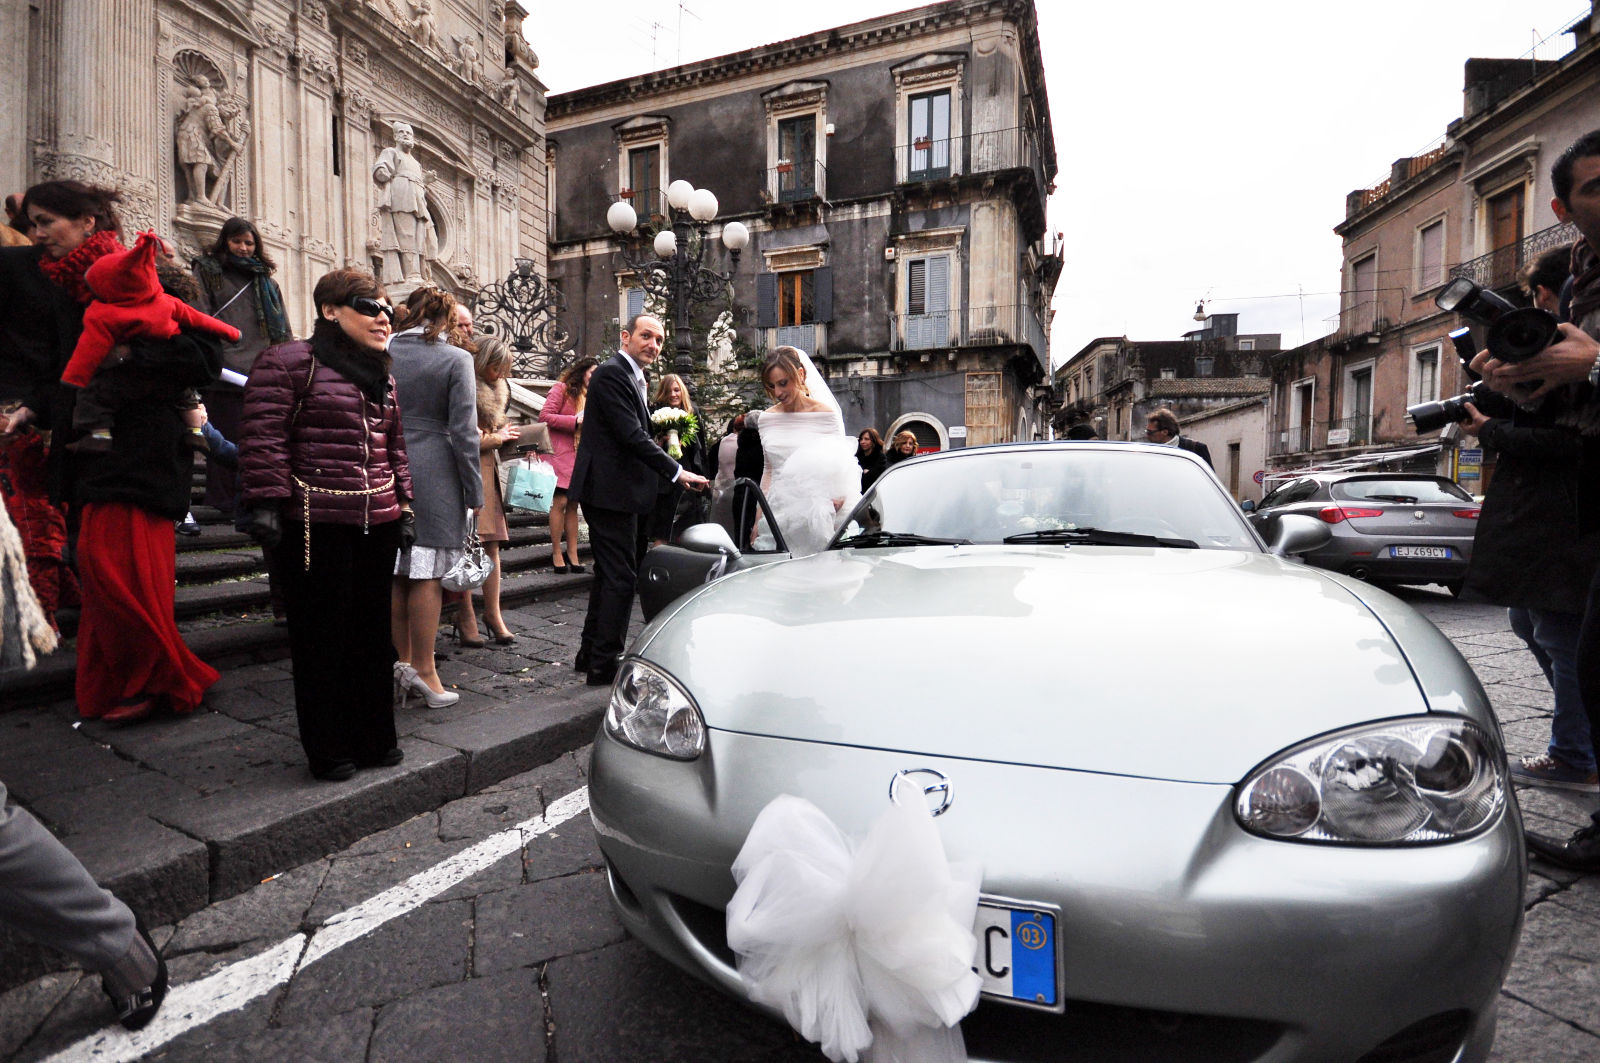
[369, 307]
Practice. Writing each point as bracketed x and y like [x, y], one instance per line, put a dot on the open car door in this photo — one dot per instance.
[708, 551]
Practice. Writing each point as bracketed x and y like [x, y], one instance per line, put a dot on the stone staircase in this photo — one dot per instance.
[224, 609]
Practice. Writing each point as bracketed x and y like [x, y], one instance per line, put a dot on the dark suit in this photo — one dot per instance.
[615, 478]
[1196, 447]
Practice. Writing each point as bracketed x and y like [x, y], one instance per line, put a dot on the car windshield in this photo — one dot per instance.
[1404, 491]
[1069, 494]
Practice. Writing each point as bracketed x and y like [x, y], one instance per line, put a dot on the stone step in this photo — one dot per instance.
[236, 628]
[228, 561]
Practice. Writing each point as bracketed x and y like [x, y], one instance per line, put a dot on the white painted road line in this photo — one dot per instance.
[197, 1003]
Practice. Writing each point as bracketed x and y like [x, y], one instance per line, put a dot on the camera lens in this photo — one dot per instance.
[1432, 416]
[1521, 334]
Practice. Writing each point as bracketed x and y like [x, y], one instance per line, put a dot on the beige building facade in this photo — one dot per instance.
[293, 113]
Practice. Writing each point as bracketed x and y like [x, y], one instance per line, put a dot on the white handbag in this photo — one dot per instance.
[472, 569]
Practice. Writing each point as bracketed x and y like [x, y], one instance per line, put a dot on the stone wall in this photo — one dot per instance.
[278, 110]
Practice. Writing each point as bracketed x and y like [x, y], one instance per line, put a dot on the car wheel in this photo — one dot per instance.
[1454, 587]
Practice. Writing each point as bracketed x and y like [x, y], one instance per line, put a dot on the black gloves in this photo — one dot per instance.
[261, 524]
[408, 529]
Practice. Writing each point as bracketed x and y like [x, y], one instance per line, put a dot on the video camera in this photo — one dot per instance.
[1516, 333]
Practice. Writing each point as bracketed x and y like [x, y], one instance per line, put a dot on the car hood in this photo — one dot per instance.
[1190, 665]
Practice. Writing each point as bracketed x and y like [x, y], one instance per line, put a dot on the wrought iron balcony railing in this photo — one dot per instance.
[1498, 269]
[990, 151]
[1354, 320]
[797, 182]
[1353, 431]
[1295, 440]
[649, 203]
[979, 326]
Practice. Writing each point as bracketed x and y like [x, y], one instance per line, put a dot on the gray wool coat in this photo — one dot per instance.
[438, 398]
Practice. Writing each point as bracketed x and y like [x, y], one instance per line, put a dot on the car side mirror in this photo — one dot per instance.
[1248, 506]
[708, 539]
[1298, 534]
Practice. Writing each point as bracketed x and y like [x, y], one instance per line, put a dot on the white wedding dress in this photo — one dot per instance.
[810, 463]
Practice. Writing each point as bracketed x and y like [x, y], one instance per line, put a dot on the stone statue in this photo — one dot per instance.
[509, 92]
[426, 26]
[232, 109]
[405, 228]
[469, 61]
[200, 124]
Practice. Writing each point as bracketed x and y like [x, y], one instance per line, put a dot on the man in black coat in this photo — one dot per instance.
[1161, 426]
[616, 477]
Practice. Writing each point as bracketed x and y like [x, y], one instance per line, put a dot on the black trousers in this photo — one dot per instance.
[225, 410]
[339, 639]
[612, 540]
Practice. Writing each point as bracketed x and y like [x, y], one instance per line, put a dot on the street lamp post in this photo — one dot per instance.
[678, 275]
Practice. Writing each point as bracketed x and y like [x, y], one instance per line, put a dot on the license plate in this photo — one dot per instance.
[1419, 551]
[1018, 954]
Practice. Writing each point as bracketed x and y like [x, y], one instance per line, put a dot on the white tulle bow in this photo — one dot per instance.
[866, 948]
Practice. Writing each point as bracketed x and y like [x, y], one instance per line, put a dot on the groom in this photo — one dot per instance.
[615, 479]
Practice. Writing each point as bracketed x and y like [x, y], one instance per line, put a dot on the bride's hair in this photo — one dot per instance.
[788, 359]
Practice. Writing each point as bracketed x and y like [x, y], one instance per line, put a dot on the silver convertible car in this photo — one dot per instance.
[1228, 807]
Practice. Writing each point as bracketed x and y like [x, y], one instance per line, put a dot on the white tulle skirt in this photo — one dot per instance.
[816, 484]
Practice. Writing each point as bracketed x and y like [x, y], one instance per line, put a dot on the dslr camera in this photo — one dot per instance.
[1515, 334]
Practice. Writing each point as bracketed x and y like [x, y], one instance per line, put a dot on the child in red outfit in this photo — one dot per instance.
[128, 304]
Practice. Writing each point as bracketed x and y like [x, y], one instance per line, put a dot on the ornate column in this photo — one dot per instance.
[105, 119]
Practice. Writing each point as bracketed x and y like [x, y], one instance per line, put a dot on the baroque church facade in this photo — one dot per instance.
[401, 136]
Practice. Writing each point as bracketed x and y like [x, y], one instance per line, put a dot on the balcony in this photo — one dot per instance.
[1354, 321]
[649, 203]
[796, 182]
[980, 326]
[987, 152]
[1498, 269]
[1294, 440]
[801, 336]
[1354, 431]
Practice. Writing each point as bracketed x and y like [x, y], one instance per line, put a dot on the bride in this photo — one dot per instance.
[811, 474]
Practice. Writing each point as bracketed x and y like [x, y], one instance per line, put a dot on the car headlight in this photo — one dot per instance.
[650, 711]
[1402, 782]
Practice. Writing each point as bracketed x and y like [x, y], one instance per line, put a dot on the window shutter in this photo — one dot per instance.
[938, 285]
[917, 286]
[635, 302]
[766, 300]
[939, 301]
[822, 294]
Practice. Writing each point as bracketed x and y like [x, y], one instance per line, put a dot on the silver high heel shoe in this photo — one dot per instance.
[415, 684]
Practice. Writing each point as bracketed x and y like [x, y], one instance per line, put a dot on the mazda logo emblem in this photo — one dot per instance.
[937, 791]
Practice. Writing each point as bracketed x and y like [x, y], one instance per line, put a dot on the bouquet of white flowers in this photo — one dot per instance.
[679, 426]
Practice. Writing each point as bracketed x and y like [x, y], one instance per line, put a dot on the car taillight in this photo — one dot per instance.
[1470, 514]
[1334, 514]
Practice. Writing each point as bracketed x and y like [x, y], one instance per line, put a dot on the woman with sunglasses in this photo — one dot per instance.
[326, 487]
[438, 392]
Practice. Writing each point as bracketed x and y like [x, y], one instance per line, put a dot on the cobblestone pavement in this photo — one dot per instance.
[519, 957]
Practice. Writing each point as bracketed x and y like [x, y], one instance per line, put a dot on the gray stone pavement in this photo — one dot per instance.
[175, 813]
[523, 959]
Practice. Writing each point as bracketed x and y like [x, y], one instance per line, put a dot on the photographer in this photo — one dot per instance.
[1531, 511]
[1574, 359]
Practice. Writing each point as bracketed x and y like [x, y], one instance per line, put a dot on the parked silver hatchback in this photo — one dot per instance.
[1387, 527]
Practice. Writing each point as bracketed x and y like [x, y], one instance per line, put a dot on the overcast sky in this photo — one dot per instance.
[1205, 148]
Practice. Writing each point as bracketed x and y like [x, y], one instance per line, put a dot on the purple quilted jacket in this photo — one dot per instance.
[337, 441]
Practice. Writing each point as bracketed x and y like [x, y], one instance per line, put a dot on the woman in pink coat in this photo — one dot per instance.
[563, 412]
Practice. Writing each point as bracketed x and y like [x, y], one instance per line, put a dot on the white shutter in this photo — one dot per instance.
[938, 301]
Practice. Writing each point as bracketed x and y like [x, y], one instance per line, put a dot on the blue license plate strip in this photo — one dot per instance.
[1019, 952]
